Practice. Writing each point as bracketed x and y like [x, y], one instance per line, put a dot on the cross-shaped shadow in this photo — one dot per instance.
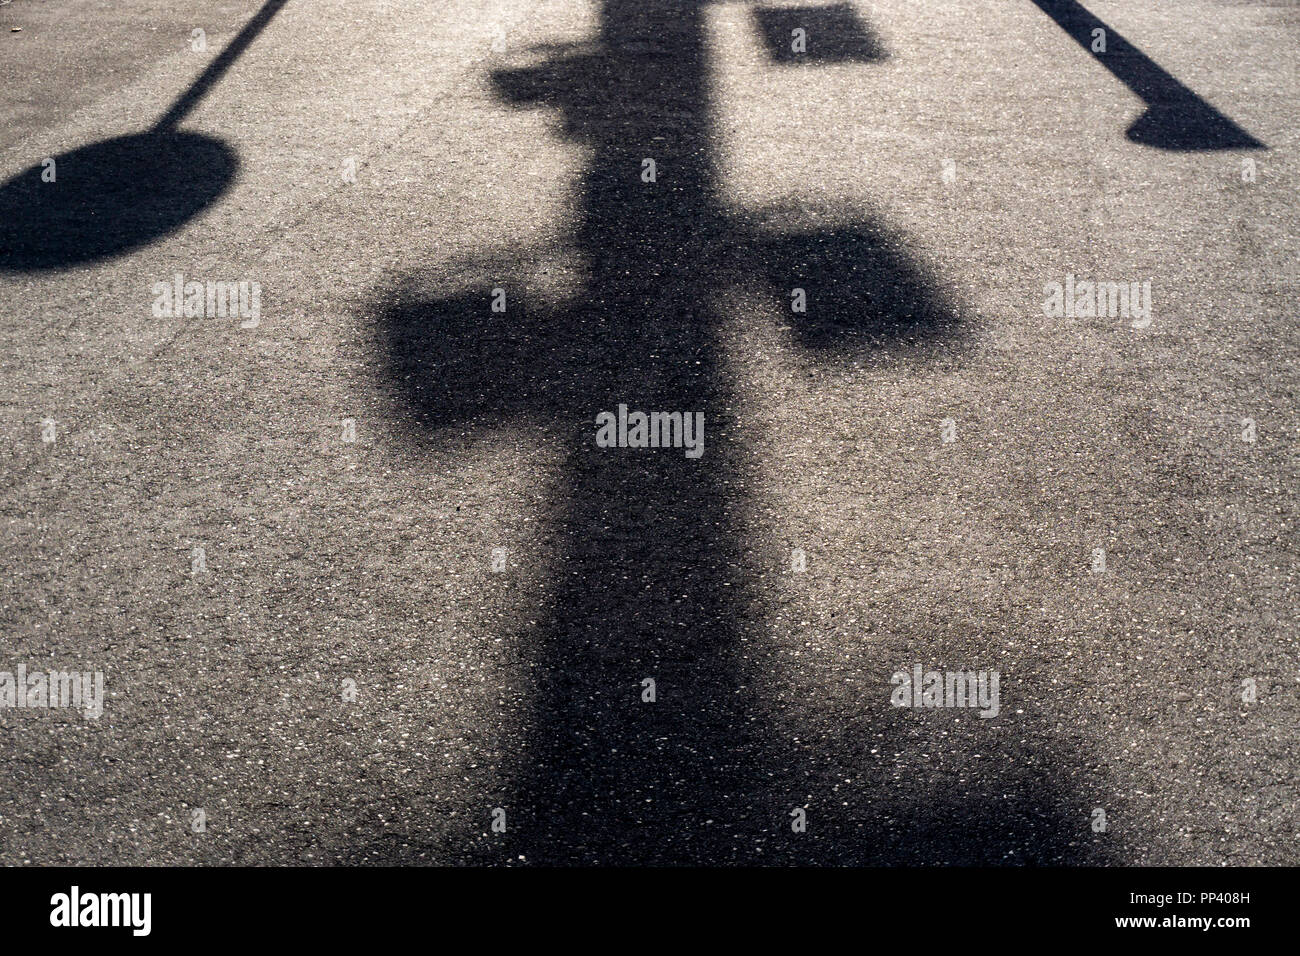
[659, 574]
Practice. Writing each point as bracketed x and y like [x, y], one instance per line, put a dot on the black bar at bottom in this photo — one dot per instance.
[659, 907]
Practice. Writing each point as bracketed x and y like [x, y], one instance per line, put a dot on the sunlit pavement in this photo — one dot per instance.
[275, 533]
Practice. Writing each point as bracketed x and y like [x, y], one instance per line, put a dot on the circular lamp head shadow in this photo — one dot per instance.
[110, 197]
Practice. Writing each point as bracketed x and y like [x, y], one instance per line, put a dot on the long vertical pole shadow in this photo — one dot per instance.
[655, 580]
[1175, 118]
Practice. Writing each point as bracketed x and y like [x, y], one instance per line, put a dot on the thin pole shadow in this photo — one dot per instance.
[1175, 117]
[657, 571]
[186, 102]
[108, 198]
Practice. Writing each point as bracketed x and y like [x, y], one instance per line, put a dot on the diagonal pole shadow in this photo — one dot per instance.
[186, 102]
[1176, 118]
[657, 570]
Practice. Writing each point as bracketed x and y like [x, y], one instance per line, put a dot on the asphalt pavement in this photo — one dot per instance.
[364, 586]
